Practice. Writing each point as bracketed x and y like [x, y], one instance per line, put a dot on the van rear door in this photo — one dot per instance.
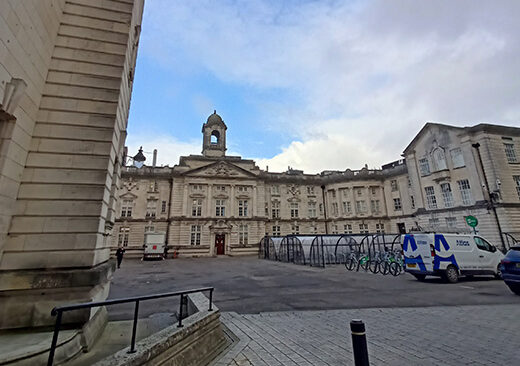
[417, 252]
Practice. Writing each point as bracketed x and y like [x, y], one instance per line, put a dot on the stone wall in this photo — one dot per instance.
[77, 58]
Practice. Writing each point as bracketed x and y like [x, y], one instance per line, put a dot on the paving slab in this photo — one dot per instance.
[452, 335]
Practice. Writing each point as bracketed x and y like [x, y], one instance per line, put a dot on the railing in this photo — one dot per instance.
[59, 310]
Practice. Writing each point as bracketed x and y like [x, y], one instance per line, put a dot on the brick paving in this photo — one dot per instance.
[444, 335]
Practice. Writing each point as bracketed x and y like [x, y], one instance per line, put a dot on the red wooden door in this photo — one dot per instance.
[220, 244]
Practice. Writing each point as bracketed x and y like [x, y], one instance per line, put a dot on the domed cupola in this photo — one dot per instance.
[214, 136]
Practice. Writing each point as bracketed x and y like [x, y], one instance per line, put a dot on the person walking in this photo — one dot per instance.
[119, 255]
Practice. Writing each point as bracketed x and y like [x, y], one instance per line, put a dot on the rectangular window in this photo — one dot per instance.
[424, 166]
[334, 229]
[361, 206]
[412, 202]
[295, 229]
[431, 201]
[516, 178]
[347, 228]
[196, 207]
[374, 205]
[220, 188]
[465, 192]
[434, 223]
[126, 208]
[457, 158]
[310, 190]
[275, 190]
[266, 209]
[451, 222]
[333, 194]
[149, 229]
[151, 207]
[373, 190]
[335, 210]
[293, 206]
[122, 239]
[242, 208]
[197, 187]
[321, 208]
[220, 208]
[380, 228]
[447, 195]
[276, 230]
[394, 185]
[359, 192]
[510, 153]
[347, 208]
[195, 235]
[242, 188]
[363, 228]
[312, 209]
[397, 204]
[163, 207]
[243, 232]
[275, 209]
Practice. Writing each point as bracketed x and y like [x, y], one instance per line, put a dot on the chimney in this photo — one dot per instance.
[267, 168]
[154, 161]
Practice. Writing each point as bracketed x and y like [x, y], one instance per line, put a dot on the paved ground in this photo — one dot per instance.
[285, 314]
[250, 285]
[455, 335]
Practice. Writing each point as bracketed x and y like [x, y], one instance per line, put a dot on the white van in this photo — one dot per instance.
[450, 255]
[154, 245]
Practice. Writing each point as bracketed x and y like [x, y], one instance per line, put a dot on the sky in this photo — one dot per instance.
[320, 85]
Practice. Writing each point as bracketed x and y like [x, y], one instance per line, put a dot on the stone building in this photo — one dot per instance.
[213, 204]
[66, 73]
[456, 172]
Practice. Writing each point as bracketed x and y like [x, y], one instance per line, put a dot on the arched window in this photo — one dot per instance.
[215, 136]
[440, 159]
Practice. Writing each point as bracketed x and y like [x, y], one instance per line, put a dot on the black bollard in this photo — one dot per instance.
[359, 343]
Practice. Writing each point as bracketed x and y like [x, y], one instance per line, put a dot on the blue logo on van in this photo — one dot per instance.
[440, 239]
[410, 240]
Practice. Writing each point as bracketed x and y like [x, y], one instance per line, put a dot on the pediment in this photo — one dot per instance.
[220, 169]
[128, 196]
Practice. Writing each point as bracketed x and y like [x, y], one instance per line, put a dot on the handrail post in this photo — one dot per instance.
[54, 343]
[134, 327]
[180, 311]
[210, 300]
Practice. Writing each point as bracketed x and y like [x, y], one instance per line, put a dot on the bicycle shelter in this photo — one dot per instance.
[322, 250]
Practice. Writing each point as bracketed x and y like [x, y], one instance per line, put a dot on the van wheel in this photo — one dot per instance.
[420, 277]
[498, 274]
[451, 274]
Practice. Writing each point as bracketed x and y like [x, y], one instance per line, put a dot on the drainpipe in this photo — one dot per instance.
[491, 200]
[168, 222]
[325, 210]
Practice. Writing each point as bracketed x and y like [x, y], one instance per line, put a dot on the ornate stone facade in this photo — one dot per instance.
[210, 198]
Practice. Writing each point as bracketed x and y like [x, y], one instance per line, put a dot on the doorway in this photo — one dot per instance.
[401, 228]
[220, 244]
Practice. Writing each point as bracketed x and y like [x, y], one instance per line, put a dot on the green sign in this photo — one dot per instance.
[471, 221]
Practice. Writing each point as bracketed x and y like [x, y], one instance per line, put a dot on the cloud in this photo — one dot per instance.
[364, 76]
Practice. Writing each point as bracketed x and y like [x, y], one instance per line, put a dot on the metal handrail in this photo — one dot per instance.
[59, 310]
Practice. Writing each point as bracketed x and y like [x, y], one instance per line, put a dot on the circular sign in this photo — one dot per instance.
[471, 221]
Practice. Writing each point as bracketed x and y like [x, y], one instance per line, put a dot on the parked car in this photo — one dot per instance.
[450, 256]
[510, 267]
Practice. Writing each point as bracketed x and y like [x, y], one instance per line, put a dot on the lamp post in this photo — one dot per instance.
[492, 195]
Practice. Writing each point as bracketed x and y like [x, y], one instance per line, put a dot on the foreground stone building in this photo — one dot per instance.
[66, 72]
[213, 204]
